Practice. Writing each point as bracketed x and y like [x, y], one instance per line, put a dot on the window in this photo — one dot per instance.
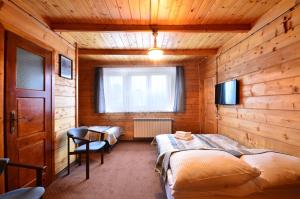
[139, 89]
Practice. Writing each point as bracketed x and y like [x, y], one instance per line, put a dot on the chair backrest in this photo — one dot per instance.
[79, 132]
[3, 163]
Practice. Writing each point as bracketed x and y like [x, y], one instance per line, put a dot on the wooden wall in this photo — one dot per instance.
[267, 63]
[208, 77]
[188, 121]
[64, 117]
[15, 20]
[2, 37]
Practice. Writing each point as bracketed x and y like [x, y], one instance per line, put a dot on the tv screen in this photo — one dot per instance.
[227, 93]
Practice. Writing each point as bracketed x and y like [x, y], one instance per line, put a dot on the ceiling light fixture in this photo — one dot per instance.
[155, 53]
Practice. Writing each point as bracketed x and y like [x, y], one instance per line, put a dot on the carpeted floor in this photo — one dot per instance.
[127, 173]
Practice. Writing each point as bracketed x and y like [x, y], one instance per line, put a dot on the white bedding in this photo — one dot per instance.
[236, 191]
[209, 170]
[111, 133]
[249, 190]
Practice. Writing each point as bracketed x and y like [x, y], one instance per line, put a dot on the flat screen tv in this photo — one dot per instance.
[227, 93]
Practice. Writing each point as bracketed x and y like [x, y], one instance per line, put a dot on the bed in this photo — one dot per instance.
[111, 133]
[213, 166]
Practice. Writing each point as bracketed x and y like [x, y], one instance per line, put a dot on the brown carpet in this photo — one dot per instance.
[127, 173]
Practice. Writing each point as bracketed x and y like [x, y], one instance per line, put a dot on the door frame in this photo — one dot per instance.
[52, 100]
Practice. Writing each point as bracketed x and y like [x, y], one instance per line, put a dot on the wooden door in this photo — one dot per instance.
[210, 119]
[28, 109]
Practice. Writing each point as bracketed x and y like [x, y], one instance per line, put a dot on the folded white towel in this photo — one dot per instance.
[187, 137]
[183, 133]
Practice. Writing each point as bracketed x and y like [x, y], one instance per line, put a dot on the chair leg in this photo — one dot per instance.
[87, 165]
[79, 159]
[102, 154]
[68, 164]
[68, 156]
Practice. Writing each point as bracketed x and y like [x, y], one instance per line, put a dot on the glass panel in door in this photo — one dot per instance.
[30, 70]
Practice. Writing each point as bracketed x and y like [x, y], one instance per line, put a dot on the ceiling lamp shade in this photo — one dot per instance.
[155, 53]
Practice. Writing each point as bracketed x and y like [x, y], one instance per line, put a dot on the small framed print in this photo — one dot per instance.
[65, 67]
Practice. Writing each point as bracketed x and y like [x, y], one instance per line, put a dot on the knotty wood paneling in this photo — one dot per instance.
[188, 121]
[65, 112]
[2, 41]
[17, 21]
[76, 83]
[115, 59]
[210, 123]
[138, 12]
[208, 79]
[267, 64]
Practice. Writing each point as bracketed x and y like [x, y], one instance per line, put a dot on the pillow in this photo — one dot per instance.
[277, 170]
[213, 169]
[239, 191]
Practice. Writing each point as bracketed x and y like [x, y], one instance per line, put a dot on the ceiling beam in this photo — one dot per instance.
[213, 28]
[198, 52]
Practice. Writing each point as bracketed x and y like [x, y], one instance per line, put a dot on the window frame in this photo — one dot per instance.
[148, 81]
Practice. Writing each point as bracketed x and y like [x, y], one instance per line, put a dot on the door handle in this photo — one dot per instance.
[13, 120]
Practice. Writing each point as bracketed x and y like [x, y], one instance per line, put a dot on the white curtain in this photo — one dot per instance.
[147, 89]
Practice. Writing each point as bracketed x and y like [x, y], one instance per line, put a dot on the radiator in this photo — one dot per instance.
[150, 127]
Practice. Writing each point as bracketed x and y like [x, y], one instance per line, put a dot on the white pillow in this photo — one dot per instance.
[238, 191]
[196, 169]
[277, 170]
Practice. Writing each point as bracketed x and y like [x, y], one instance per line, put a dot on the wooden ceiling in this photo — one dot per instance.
[140, 59]
[144, 40]
[163, 12]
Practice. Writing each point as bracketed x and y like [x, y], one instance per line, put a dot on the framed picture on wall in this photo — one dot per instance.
[65, 67]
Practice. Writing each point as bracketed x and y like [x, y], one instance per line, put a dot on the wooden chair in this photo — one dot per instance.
[84, 146]
[28, 192]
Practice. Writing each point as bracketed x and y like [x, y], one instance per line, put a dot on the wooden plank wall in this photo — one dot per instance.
[17, 21]
[267, 63]
[65, 106]
[208, 74]
[188, 121]
[2, 37]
